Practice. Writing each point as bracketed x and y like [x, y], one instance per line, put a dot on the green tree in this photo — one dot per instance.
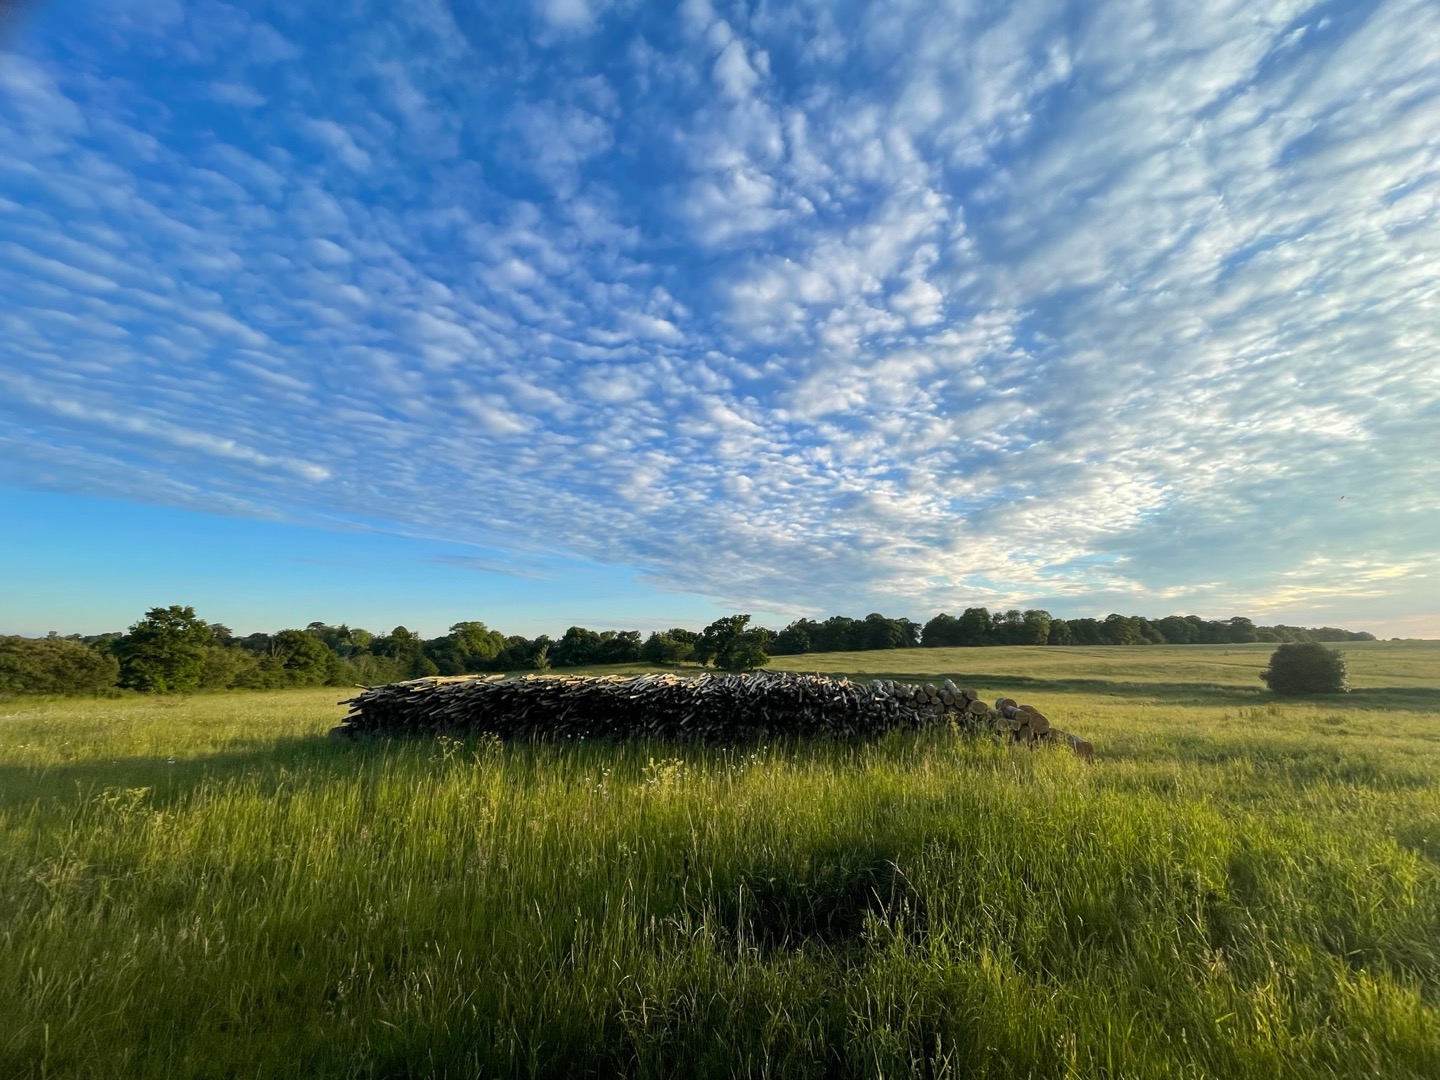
[664, 649]
[618, 647]
[728, 645]
[1036, 627]
[341, 640]
[837, 634]
[795, 639]
[1008, 627]
[224, 668]
[878, 632]
[523, 654]
[1306, 667]
[54, 665]
[303, 657]
[941, 631]
[407, 651]
[1177, 631]
[165, 651]
[1241, 630]
[473, 646]
[974, 627]
[1121, 630]
[578, 646]
[1060, 633]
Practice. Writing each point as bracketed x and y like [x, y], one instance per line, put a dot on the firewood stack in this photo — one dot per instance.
[710, 708]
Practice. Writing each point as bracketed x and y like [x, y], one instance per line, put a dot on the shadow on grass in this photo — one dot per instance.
[1408, 698]
[270, 764]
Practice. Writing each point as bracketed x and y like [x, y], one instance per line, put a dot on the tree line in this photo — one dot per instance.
[172, 649]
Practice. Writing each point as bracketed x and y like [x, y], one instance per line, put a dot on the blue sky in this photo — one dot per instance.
[630, 314]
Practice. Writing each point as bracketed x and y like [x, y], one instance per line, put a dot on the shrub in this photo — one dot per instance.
[54, 666]
[1306, 668]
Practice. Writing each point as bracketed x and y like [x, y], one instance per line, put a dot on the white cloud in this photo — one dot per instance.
[340, 143]
[567, 15]
[951, 305]
[230, 93]
[327, 252]
[733, 73]
[560, 140]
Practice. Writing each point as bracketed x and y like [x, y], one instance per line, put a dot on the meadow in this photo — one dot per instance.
[1239, 886]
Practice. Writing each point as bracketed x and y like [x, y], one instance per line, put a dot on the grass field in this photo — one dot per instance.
[1238, 887]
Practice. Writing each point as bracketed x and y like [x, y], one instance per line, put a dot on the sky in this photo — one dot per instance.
[631, 314]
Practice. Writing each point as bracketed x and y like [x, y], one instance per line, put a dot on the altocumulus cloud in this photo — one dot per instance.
[805, 306]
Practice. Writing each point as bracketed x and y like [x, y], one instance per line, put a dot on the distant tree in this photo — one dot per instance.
[524, 654]
[342, 640]
[165, 651]
[1035, 627]
[878, 632]
[1007, 628]
[909, 633]
[728, 645]
[255, 643]
[1281, 632]
[1149, 632]
[476, 644]
[224, 668]
[839, 633]
[1176, 631]
[578, 646]
[664, 649]
[303, 657]
[54, 665]
[974, 628]
[444, 655]
[941, 631]
[1209, 631]
[367, 669]
[795, 639]
[1060, 633]
[1120, 630]
[468, 648]
[1306, 667]
[407, 651]
[1333, 633]
[398, 642]
[1242, 630]
[618, 647]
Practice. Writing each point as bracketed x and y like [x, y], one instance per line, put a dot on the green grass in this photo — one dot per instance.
[1239, 887]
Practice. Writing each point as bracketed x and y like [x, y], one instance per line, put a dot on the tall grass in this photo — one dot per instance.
[1236, 889]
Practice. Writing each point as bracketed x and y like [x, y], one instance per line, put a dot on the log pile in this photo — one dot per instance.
[710, 708]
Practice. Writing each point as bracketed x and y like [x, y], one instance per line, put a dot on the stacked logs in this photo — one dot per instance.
[711, 708]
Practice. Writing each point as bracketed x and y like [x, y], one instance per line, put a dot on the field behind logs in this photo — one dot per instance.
[1236, 887]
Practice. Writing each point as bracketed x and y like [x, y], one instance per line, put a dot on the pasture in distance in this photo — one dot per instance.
[1240, 886]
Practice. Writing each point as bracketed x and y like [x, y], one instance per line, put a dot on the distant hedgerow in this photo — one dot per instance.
[1306, 668]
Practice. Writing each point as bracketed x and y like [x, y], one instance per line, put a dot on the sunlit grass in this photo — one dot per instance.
[1239, 887]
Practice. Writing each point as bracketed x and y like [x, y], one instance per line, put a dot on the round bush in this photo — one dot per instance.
[1306, 668]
